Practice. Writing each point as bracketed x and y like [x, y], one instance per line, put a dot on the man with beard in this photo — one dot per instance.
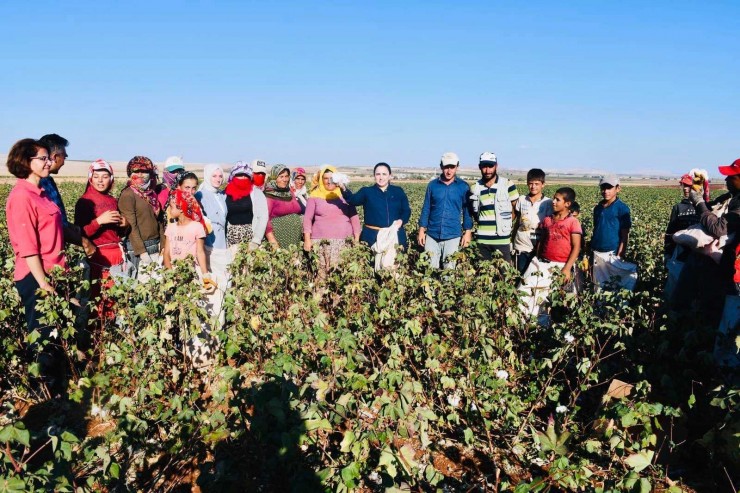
[493, 201]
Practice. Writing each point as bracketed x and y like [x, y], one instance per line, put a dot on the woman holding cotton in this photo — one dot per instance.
[96, 212]
[329, 220]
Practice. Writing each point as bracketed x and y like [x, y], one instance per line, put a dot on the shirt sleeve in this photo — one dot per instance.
[127, 206]
[405, 207]
[85, 217]
[308, 216]
[625, 218]
[467, 217]
[575, 227]
[513, 193]
[270, 206]
[424, 216]
[200, 231]
[22, 227]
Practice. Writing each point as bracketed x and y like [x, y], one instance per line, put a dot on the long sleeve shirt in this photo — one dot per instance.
[279, 208]
[382, 208]
[141, 217]
[214, 207]
[91, 205]
[444, 203]
[330, 219]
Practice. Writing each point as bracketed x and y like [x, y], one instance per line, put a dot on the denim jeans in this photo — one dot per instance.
[441, 250]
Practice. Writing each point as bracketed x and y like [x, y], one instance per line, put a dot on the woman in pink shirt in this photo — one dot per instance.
[35, 230]
[329, 220]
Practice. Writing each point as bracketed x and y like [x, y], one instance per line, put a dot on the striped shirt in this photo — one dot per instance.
[487, 233]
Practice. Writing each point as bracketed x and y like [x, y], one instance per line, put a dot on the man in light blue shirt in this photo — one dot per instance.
[446, 199]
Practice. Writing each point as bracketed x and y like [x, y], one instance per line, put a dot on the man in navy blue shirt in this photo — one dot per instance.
[58, 154]
[445, 201]
[612, 221]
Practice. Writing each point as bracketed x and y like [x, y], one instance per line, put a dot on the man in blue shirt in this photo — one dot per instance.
[612, 221]
[446, 199]
[58, 154]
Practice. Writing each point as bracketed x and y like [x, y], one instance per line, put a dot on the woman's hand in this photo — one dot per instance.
[109, 217]
[566, 273]
[46, 287]
[307, 244]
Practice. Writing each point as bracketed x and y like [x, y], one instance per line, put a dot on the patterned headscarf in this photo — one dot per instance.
[240, 168]
[317, 184]
[100, 165]
[140, 163]
[272, 189]
[142, 187]
[185, 201]
[239, 187]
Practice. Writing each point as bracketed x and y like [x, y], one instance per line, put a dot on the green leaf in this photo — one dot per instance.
[347, 441]
[640, 460]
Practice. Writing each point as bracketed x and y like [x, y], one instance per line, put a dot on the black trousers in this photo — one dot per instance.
[486, 251]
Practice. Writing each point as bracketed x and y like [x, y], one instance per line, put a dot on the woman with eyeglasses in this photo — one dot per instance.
[37, 239]
[140, 206]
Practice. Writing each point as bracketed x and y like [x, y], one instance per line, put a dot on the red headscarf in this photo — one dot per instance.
[239, 187]
[185, 201]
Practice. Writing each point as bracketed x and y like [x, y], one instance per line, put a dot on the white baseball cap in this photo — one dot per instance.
[259, 166]
[612, 180]
[449, 158]
[488, 157]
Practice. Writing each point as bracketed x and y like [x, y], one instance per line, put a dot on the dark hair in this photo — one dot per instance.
[568, 194]
[19, 157]
[536, 174]
[54, 143]
[383, 164]
[575, 207]
[189, 175]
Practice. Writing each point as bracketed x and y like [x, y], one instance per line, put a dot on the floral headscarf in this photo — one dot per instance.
[143, 187]
[272, 189]
[239, 186]
[99, 165]
[317, 184]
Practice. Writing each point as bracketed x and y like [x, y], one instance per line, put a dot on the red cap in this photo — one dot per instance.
[731, 170]
[686, 180]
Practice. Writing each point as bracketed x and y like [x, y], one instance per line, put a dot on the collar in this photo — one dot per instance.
[27, 185]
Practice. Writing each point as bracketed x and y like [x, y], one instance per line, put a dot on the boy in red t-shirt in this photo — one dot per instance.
[561, 233]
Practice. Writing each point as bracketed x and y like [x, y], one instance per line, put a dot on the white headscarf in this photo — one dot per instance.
[208, 171]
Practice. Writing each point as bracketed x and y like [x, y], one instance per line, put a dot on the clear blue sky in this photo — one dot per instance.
[628, 86]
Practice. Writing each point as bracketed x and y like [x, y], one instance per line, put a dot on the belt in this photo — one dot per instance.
[376, 228]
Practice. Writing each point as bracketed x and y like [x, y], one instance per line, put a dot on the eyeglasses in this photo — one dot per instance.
[43, 158]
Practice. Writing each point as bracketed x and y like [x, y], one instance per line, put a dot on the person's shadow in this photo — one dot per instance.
[269, 456]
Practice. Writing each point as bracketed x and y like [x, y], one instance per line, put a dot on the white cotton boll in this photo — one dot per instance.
[340, 178]
[453, 400]
[54, 334]
[502, 375]
[375, 477]
[561, 409]
[95, 411]
[569, 338]
[473, 407]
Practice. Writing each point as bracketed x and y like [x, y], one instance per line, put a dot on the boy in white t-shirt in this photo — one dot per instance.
[532, 209]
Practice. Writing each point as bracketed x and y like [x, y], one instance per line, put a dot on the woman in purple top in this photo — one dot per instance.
[330, 219]
[285, 223]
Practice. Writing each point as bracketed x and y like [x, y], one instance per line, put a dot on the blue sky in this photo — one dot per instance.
[621, 86]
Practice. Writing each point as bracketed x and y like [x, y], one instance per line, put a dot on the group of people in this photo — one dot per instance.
[182, 217]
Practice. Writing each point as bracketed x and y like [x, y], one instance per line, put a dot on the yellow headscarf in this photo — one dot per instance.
[317, 185]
